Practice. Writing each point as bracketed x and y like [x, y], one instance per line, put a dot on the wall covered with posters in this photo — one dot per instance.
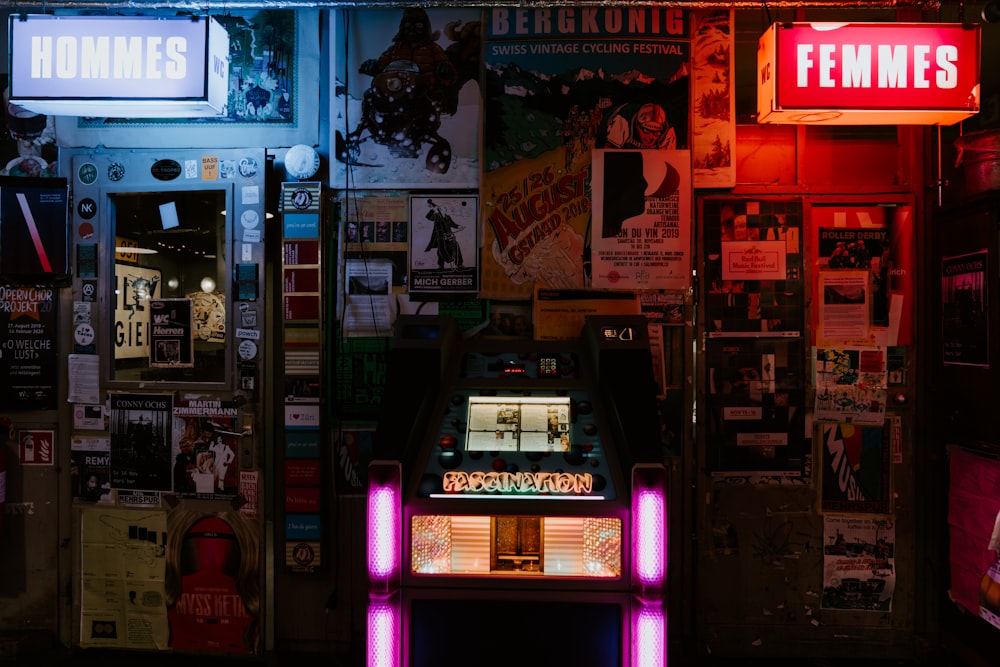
[609, 175]
[803, 446]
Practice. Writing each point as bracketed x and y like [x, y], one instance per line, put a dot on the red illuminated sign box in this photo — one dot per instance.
[868, 73]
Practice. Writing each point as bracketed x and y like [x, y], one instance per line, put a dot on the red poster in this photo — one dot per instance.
[302, 280]
[213, 594]
[302, 499]
[301, 307]
[301, 252]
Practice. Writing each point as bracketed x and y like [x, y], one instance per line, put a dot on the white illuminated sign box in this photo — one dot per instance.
[121, 66]
[868, 73]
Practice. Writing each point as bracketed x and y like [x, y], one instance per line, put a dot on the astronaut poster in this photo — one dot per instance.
[559, 83]
[426, 138]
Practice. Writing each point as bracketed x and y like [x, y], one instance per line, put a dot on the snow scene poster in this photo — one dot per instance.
[429, 137]
[557, 84]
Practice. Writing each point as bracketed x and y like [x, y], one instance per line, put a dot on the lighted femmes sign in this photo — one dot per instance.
[128, 66]
[868, 73]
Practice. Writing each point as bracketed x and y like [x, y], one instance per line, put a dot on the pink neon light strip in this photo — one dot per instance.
[36, 238]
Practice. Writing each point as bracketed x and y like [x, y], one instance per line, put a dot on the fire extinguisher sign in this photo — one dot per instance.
[36, 447]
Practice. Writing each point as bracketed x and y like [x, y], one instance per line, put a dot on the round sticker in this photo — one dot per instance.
[302, 199]
[301, 161]
[84, 334]
[248, 167]
[303, 554]
[87, 208]
[116, 171]
[87, 173]
[248, 350]
[249, 219]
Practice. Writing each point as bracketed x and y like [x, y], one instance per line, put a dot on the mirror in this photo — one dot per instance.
[170, 246]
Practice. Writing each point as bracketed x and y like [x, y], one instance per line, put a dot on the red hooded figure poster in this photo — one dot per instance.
[213, 590]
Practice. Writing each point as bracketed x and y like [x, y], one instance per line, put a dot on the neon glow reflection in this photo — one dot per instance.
[383, 629]
[383, 532]
[649, 516]
[649, 636]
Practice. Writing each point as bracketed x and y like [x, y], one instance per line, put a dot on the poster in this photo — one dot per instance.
[965, 322]
[713, 102]
[28, 323]
[559, 83]
[212, 580]
[368, 303]
[90, 468]
[136, 286]
[642, 209]
[756, 402]
[875, 240]
[122, 570]
[273, 70]
[973, 507]
[375, 266]
[444, 245]
[844, 307]
[850, 385]
[205, 446]
[859, 564]
[33, 237]
[856, 468]
[746, 244]
[140, 441]
[561, 314]
[354, 447]
[427, 137]
[171, 333]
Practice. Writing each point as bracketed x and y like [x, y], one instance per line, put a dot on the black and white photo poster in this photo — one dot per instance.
[141, 441]
[444, 245]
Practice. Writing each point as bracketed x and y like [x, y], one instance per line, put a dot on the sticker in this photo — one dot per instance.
[248, 350]
[248, 167]
[302, 199]
[303, 554]
[86, 209]
[85, 231]
[301, 161]
[84, 334]
[166, 170]
[87, 173]
[249, 219]
[89, 291]
[116, 171]
[81, 312]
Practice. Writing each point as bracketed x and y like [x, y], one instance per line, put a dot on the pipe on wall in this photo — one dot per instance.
[226, 5]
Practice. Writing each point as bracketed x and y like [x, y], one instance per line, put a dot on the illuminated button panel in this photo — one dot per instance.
[533, 365]
[509, 444]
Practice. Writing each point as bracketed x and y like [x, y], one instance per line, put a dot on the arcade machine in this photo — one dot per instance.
[516, 505]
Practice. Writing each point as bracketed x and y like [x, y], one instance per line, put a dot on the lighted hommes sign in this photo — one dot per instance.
[868, 73]
[129, 66]
[518, 482]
